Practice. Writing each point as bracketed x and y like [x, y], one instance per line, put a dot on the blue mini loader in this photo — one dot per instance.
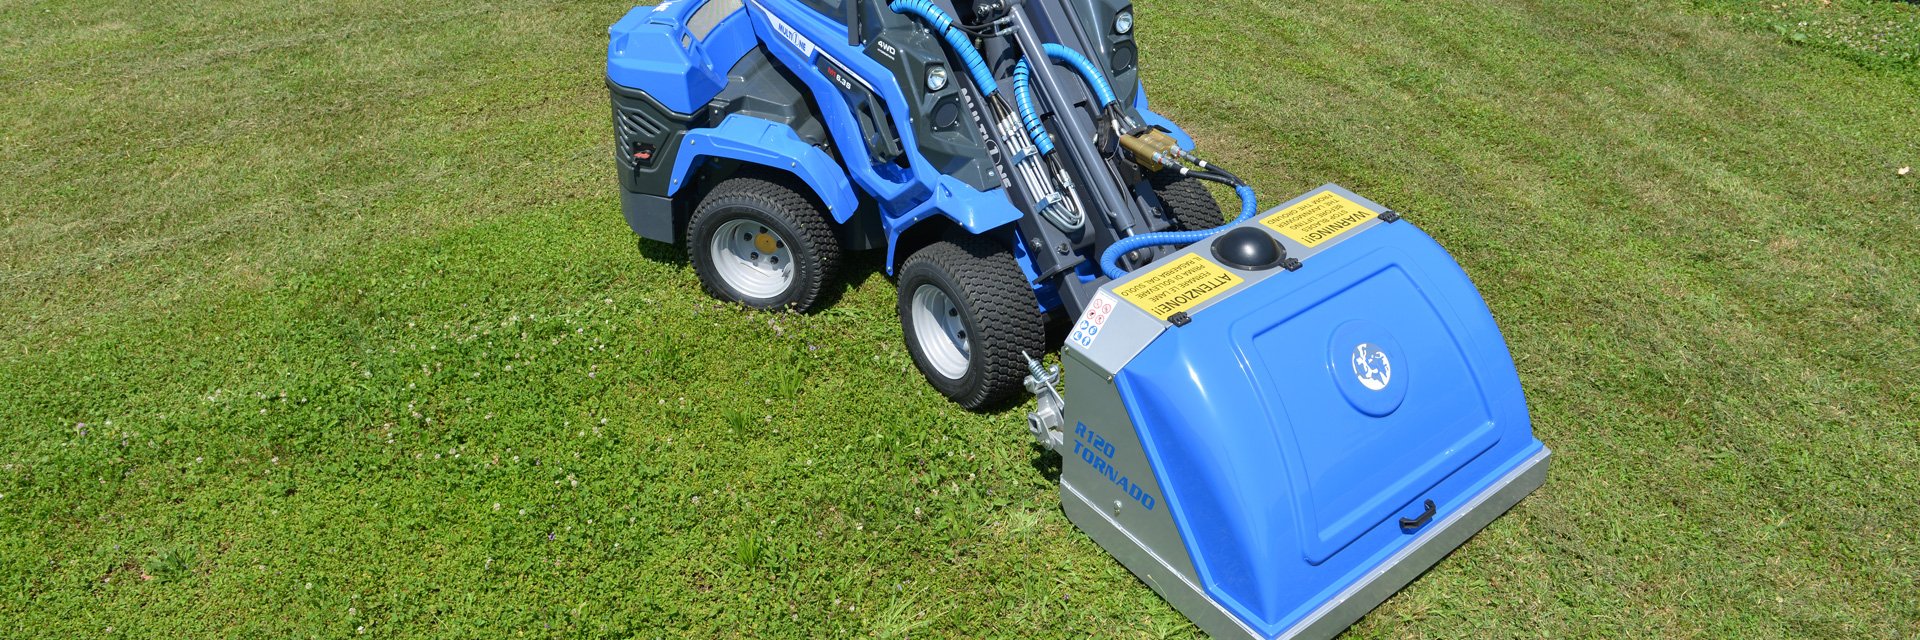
[1275, 421]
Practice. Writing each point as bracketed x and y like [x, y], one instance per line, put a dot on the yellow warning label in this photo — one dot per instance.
[1318, 219]
[1178, 285]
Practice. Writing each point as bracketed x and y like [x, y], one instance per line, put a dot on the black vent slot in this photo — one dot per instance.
[640, 136]
[640, 124]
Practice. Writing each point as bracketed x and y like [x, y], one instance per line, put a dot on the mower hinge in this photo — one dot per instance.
[1290, 264]
[1389, 216]
[1045, 422]
[1180, 319]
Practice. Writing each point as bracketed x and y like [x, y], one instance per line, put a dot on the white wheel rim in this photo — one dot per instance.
[941, 332]
[740, 256]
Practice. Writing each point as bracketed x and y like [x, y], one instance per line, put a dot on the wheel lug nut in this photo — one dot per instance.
[755, 255]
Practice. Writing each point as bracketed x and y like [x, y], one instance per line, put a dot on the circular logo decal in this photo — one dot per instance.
[1371, 367]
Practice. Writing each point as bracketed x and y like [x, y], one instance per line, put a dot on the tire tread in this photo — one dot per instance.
[1003, 305]
[1188, 202]
[781, 194]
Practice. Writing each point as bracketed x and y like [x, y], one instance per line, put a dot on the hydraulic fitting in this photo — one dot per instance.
[1152, 148]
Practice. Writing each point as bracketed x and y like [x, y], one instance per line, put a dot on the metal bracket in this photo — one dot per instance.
[1019, 155]
[1044, 422]
[1049, 200]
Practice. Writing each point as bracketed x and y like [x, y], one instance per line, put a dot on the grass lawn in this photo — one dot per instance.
[320, 319]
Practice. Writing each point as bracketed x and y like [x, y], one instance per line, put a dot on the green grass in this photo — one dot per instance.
[321, 318]
[1879, 34]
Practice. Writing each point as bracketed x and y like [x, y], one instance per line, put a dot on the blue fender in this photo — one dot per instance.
[1155, 119]
[977, 212]
[769, 143]
[799, 37]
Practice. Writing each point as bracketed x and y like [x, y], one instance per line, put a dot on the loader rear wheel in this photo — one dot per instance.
[757, 239]
[967, 314]
[1187, 201]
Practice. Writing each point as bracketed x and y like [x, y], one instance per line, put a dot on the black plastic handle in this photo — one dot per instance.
[1410, 524]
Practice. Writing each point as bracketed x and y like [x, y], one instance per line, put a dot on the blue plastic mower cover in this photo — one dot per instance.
[1278, 447]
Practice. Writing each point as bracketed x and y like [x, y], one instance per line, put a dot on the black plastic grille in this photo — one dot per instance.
[635, 128]
[639, 125]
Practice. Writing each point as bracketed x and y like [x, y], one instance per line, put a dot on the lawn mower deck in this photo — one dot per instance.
[1308, 438]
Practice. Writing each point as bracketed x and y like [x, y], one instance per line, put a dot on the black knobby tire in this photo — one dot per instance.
[1187, 202]
[779, 202]
[996, 306]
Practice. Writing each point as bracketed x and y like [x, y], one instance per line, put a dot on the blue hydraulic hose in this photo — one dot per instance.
[1109, 261]
[1023, 92]
[976, 66]
[1023, 98]
[956, 38]
[1081, 64]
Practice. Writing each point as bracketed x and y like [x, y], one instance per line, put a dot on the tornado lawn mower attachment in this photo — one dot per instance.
[1274, 421]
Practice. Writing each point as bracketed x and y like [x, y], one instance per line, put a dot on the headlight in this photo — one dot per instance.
[936, 77]
[1123, 21]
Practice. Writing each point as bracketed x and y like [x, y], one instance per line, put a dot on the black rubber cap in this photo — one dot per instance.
[1248, 248]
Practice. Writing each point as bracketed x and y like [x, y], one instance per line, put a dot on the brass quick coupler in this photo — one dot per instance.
[1152, 148]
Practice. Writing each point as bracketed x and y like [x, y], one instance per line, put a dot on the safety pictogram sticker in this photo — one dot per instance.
[1088, 328]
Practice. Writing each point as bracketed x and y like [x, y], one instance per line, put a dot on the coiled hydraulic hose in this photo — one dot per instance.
[1023, 98]
[955, 37]
[1109, 260]
[1031, 169]
[1023, 93]
[1080, 63]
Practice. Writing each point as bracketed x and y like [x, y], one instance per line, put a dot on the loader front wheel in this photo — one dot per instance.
[967, 314]
[1187, 201]
[757, 239]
